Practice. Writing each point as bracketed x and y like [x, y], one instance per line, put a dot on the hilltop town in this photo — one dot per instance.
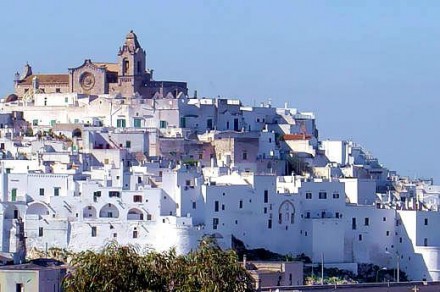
[105, 152]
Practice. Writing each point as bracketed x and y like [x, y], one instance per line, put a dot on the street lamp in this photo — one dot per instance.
[397, 264]
[377, 273]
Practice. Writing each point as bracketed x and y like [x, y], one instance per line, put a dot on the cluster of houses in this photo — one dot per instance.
[81, 166]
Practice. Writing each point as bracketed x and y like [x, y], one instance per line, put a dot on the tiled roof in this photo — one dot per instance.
[47, 79]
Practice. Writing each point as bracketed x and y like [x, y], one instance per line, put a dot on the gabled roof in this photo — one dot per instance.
[47, 79]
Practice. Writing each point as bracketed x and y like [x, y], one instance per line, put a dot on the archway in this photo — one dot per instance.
[76, 133]
[109, 211]
[135, 214]
[11, 212]
[89, 212]
[37, 209]
[286, 212]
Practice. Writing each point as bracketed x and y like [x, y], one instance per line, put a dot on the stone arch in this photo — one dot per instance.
[109, 211]
[11, 212]
[37, 209]
[286, 212]
[89, 212]
[135, 214]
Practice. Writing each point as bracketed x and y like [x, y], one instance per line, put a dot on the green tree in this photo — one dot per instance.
[115, 268]
[122, 268]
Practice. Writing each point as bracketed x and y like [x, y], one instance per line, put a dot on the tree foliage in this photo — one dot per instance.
[122, 268]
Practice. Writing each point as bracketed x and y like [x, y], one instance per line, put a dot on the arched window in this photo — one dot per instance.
[125, 66]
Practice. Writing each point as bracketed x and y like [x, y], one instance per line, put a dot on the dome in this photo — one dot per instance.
[11, 97]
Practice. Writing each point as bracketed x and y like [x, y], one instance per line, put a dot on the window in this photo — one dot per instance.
[137, 123]
[269, 223]
[216, 206]
[56, 191]
[400, 239]
[426, 221]
[353, 223]
[425, 242]
[135, 234]
[40, 231]
[367, 221]
[137, 198]
[384, 219]
[337, 214]
[215, 222]
[265, 210]
[308, 196]
[120, 123]
[240, 205]
[209, 124]
[58, 90]
[245, 156]
[223, 207]
[194, 205]
[127, 144]
[35, 122]
[266, 196]
[41, 192]
[163, 124]
[14, 195]
[360, 237]
[335, 195]
[322, 195]
[307, 214]
[66, 99]
[388, 233]
[112, 194]
[93, 231]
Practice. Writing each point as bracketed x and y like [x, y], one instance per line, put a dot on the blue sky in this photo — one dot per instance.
[369, 69]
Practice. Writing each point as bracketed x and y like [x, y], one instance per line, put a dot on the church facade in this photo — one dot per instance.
[128, 77]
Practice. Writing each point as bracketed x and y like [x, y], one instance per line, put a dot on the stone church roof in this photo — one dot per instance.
[47, 79]
[109, 67]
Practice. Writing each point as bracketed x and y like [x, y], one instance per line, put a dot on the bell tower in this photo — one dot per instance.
[132, 72]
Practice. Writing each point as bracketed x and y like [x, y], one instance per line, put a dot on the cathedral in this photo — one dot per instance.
[128, 77]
